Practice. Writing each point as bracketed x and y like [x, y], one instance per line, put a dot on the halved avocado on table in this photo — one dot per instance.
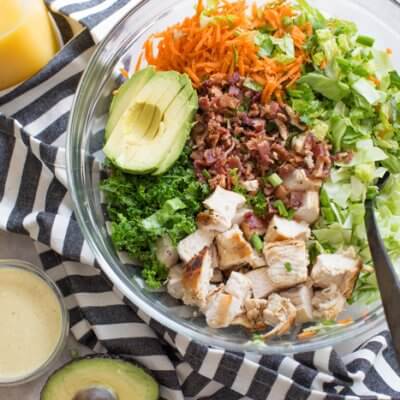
[154, 125]
[121, 377]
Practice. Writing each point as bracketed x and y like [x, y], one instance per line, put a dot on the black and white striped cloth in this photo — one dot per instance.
[34, 201]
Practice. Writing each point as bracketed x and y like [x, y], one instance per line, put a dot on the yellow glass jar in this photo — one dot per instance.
[27, 40]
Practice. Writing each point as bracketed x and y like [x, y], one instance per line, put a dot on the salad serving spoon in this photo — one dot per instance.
[387, 277]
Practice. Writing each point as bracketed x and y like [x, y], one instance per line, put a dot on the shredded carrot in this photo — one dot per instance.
[374, 79]
[306, 335]
[346, 321]
[389, 51]
[124, 73]
[226, 44]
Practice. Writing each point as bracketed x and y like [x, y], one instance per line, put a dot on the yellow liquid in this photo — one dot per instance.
[27, 40]
[30, 323]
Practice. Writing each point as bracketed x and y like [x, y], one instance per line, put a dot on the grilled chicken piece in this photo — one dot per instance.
[194, 243]
[251, 186]
[217, 276]
[222, 309]
[260, 283]
[287, 261]
[166, 252]
[284, 229]
[174, 284]
[310, 209]
[233, 248]
[279, 313]
[301, 297]
[225, 204]
[214, 256]
[241, 215]
[336, 269]
[252, 225]
[196, 278]
[328, 303]
[253, 317]
[211, 221]
[257, 260]
[238, 285]
[298, 181]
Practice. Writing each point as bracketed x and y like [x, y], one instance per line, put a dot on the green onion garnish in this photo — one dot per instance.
[206, 174]
[282, 210]
[257, 242]
[329, 215]
[288, 267]
[366, 40]
[275, 180]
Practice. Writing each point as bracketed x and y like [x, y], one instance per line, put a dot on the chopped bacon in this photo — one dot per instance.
[234, 131]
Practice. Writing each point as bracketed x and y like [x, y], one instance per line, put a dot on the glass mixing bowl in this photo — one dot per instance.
[84, 158]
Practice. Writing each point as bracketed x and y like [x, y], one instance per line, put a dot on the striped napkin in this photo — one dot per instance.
[34, 201]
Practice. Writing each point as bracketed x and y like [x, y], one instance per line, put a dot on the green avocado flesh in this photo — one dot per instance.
[126, 380]
[149, 127]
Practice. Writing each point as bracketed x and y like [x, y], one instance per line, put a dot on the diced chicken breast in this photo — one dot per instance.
[211, 221]
[251, 186]
[328, 303]
[217, 276]
[298, 181]
[241, 214]
[279, 313]
[301, 297]
[166, 252]
[174, 284]
[252, 225]
[285, 229]
[288, 262]
[196, 278]
[233, 248]
[253, 317]
[257, 260]
[194, 243]
[260, 283]
[310, 209]
[238, 285]
[336, 269]
[222, 309]
[214, 256]
[225, 203]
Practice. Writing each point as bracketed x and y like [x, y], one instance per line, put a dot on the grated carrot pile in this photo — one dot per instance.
[226, 44]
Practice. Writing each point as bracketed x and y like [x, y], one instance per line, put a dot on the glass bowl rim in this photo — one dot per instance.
[44, 277]
[374, 319]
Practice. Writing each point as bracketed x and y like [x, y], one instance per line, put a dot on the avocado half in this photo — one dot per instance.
[121, 376]
[150, 120]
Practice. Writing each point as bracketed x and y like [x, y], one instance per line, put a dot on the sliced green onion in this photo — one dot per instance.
[291, 213]
[282, 210]
[275, 180]
[366, 40]
[257, 242]
[288, 267]
[206, 174]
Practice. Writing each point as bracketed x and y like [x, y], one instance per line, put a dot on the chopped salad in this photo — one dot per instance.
[240, 156]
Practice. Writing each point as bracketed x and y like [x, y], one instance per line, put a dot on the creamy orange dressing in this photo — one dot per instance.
[27, 40]
[30, 323]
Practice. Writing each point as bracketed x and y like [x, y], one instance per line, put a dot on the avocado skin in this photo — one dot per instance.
[140, 377]
[150, 142]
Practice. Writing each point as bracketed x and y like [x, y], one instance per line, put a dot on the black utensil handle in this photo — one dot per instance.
[388, 280]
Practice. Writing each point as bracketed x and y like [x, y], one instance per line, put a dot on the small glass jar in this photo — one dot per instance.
[27, 40]
[35, 279]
